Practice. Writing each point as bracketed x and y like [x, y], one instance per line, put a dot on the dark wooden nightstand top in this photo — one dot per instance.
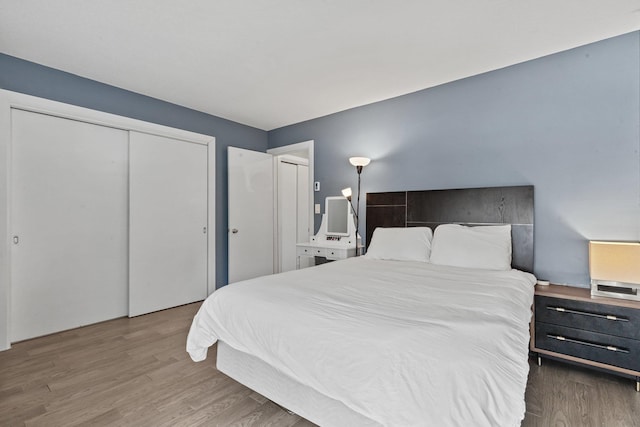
[582, 294]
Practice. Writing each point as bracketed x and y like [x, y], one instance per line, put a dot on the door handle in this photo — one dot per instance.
[234, 230]
[16, 240]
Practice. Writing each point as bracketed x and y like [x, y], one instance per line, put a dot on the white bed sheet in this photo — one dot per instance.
[402, 343]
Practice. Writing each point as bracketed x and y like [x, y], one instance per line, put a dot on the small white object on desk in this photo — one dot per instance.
[543, 282]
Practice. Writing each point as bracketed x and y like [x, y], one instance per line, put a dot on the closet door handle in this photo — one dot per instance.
[234, 230]
[16, 240]
[586, 313]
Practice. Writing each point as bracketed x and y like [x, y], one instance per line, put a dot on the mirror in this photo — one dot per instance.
[337, 212]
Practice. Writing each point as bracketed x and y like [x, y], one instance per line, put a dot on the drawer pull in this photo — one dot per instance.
[590, 344]
[586, 313]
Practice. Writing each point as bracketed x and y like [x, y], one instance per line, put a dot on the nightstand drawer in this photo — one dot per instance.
[608, 319]
[612, 350]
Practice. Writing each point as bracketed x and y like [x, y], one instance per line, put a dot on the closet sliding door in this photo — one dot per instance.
[68, 216]
[167, 223]
[101, 216]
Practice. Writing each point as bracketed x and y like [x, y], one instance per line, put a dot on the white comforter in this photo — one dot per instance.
[402, 343]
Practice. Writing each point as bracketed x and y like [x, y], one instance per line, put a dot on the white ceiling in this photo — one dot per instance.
[273, 63]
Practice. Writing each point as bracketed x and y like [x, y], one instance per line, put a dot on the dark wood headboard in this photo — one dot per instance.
[469, 206]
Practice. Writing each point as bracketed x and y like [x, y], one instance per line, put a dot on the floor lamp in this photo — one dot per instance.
[359, 163]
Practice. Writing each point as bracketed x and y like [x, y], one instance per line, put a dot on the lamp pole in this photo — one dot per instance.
[359, 170]
[359, 163]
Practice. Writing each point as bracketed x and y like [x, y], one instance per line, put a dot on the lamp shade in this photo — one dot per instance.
[346, 192]
[614, 261]
[359, 161]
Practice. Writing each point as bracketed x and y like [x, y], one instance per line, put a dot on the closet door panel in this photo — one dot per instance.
[69, 218]
[287, 214]
[303, 204]
[167, 223]
[303, 232]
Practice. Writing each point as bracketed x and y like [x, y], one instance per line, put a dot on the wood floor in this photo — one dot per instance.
[135, 372]
[564, 395]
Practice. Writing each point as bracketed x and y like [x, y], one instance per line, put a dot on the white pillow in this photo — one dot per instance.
[400, 244]
[486, 247]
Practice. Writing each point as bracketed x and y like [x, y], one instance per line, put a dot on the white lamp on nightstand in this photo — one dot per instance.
[614, 268]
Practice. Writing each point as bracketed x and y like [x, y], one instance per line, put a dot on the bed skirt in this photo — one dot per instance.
[290, 394]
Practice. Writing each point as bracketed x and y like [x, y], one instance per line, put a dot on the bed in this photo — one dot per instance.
[391, 339]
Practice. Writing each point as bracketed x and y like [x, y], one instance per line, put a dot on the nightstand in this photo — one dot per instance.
[571, 325]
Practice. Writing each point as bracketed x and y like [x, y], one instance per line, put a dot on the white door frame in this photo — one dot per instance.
[292, 149]
[10, 100]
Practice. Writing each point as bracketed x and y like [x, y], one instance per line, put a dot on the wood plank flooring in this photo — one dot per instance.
[561, 395]
[135, 372]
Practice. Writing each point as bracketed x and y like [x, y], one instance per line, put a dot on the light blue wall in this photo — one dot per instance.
[33, 79]
[567, 123]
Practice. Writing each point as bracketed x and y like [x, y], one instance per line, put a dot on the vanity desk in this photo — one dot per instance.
[336, 239]
[329, 252]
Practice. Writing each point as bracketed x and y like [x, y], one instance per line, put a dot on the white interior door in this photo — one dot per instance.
[69, 224]
[168, 220]
[250, 214]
